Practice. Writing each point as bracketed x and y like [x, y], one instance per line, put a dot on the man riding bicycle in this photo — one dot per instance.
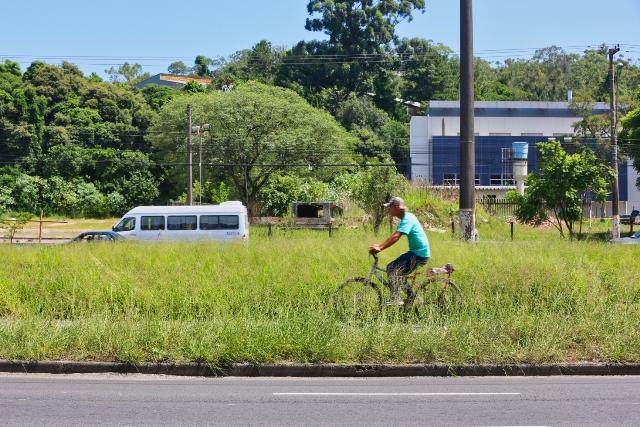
[418, 254]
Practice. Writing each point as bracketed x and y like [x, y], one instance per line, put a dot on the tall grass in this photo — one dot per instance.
[534, 300]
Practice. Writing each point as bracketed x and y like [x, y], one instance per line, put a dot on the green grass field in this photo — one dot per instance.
[537, 299]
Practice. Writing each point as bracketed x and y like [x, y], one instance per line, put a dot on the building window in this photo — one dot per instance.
[562, 134]
[531, 134]
[502, 180]
[499, 133]
[507, 179]
[451, 179]
[454, 179]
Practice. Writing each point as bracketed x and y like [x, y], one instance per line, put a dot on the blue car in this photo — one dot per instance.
[97, 236]
[632, 240]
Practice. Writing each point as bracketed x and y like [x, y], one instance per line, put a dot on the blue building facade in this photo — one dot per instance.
[491, 167]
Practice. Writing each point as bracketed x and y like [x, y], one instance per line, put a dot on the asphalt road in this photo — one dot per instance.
[150, 400]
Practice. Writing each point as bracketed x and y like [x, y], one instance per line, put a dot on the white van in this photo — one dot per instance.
[226, 221]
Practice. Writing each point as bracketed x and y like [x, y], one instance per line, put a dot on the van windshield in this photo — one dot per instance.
[127, 224]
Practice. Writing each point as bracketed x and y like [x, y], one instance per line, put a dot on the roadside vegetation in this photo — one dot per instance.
[537, 299]
[75, 146]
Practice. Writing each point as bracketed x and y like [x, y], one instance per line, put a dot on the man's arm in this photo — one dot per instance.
[374, 249]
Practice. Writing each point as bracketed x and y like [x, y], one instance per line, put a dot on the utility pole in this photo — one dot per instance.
[204, 127]
[200, 165]
[189, 159]
[467, 138]
[615, 230]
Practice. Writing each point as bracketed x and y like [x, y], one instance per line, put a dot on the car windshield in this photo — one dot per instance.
[636, 236]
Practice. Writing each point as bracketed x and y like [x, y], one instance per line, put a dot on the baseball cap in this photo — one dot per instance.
[395, 201]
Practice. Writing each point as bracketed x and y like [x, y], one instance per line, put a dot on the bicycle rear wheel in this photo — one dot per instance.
[357, 298]
[441, 295]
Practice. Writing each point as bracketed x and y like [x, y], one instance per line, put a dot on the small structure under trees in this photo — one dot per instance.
[314, 214]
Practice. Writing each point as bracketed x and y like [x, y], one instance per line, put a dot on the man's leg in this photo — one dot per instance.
[397, 271]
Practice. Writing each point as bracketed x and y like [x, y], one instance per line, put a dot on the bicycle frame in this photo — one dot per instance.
[436, 274]
[375, 271]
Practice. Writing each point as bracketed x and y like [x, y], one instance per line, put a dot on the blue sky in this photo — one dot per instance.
[96, 35]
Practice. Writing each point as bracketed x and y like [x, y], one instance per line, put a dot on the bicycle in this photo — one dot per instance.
[362, 297]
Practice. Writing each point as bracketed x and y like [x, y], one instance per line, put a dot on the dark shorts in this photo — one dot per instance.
[405, 264]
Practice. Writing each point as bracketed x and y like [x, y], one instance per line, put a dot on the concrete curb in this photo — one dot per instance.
[316, 370]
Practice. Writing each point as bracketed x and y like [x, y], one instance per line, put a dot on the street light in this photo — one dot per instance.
[196, 130]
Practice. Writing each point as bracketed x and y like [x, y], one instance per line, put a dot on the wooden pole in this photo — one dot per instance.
[40, 227]
[453, 222]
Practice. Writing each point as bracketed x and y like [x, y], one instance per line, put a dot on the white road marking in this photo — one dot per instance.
[396, 394]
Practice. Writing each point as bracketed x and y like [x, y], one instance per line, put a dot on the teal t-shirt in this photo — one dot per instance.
[418, 242]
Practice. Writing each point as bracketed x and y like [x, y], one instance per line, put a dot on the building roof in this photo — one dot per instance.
[205, 81]
[513, 109]
[173, 80]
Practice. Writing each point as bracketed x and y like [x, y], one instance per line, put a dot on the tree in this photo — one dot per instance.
[356, 28]
[360, 25]
[361, 113]
[156, 95]
[429, 71]
[396, 136]
[178, 67]
[630, 138]
[129, 73]
[282, 190]
[374, 186]
[256, 131]
[201, 66]
[555, 192]
[260, 63]
[370, 146]
[14, 224]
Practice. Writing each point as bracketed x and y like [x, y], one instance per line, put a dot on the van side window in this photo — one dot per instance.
[229, 222]
[182, 222]
[219, 222]
[127, 224]
[151, 223]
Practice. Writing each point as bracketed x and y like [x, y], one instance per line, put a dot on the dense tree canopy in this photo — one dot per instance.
[74, 144]
[64, 134]
[256, 130]
[630, 138]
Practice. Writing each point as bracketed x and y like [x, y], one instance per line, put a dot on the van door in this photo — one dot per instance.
[152, 227]
[126, 227]
[182, 227]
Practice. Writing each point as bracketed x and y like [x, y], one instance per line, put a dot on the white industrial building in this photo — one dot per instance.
[434, 143]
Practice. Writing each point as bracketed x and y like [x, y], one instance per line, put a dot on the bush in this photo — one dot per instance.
[282, 190]
[374, 187]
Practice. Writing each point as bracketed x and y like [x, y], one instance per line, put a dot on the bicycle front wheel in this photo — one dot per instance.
[357, 298]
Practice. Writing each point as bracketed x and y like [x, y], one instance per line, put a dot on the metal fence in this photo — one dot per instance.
[497, 207]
